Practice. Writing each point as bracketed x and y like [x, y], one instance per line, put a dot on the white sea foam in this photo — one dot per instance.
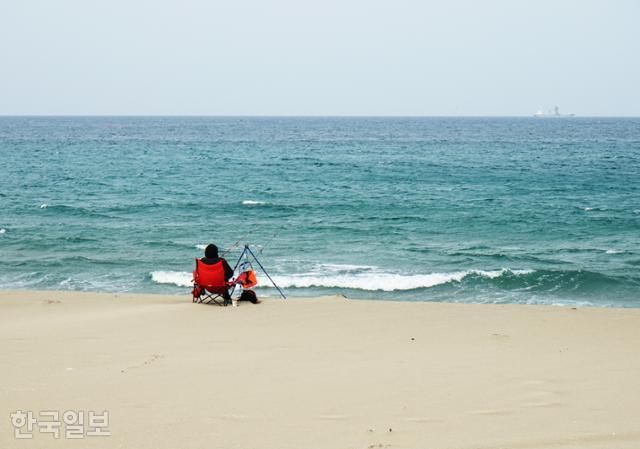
[253, 202]
[371, 281]
[386, 281]
[107, 282]
[179, 278]
[595, 209]
[201, 246]
[613, 251]
[3, 230]
[44, 206]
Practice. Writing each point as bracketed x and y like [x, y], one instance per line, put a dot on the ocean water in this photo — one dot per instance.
[499, 210]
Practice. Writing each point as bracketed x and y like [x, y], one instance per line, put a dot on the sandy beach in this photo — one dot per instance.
[323, 373]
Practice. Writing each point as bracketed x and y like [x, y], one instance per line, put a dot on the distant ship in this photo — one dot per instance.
[555, 113]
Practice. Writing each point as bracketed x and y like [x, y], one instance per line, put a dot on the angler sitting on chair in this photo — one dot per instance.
[211, 277]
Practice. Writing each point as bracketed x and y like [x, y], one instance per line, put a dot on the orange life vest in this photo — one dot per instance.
[247, 279]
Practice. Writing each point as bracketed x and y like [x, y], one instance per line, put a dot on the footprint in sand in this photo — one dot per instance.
[147, 362]
[499, 336]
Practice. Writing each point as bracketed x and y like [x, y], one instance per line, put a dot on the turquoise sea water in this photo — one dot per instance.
[518, 210]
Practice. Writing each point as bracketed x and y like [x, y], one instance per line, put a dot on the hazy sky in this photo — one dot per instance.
[329, 57]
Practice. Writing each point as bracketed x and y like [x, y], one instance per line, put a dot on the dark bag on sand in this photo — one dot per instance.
[249, 295]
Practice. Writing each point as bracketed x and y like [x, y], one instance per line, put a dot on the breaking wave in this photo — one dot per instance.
[179, 278]
[369, 281]
[387, 281]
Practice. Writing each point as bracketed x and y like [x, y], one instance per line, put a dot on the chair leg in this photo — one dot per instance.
[204, 297]
[208, 299]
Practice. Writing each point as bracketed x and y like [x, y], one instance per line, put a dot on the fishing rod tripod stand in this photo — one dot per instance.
[246, 253]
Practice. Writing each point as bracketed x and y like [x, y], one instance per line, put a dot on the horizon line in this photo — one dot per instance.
[300, 116]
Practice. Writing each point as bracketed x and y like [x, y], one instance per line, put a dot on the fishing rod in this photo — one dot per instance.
[252, 231]
[226, 250]
[262, 247]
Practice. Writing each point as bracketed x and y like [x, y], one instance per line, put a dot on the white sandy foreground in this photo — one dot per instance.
[325, 373]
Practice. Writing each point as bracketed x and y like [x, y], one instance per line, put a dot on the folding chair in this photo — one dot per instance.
[209, 284]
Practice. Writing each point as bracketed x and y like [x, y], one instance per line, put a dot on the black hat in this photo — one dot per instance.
[211, 251]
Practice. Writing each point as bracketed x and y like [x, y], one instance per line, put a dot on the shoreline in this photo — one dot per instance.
[324, 373]
[186, 297]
